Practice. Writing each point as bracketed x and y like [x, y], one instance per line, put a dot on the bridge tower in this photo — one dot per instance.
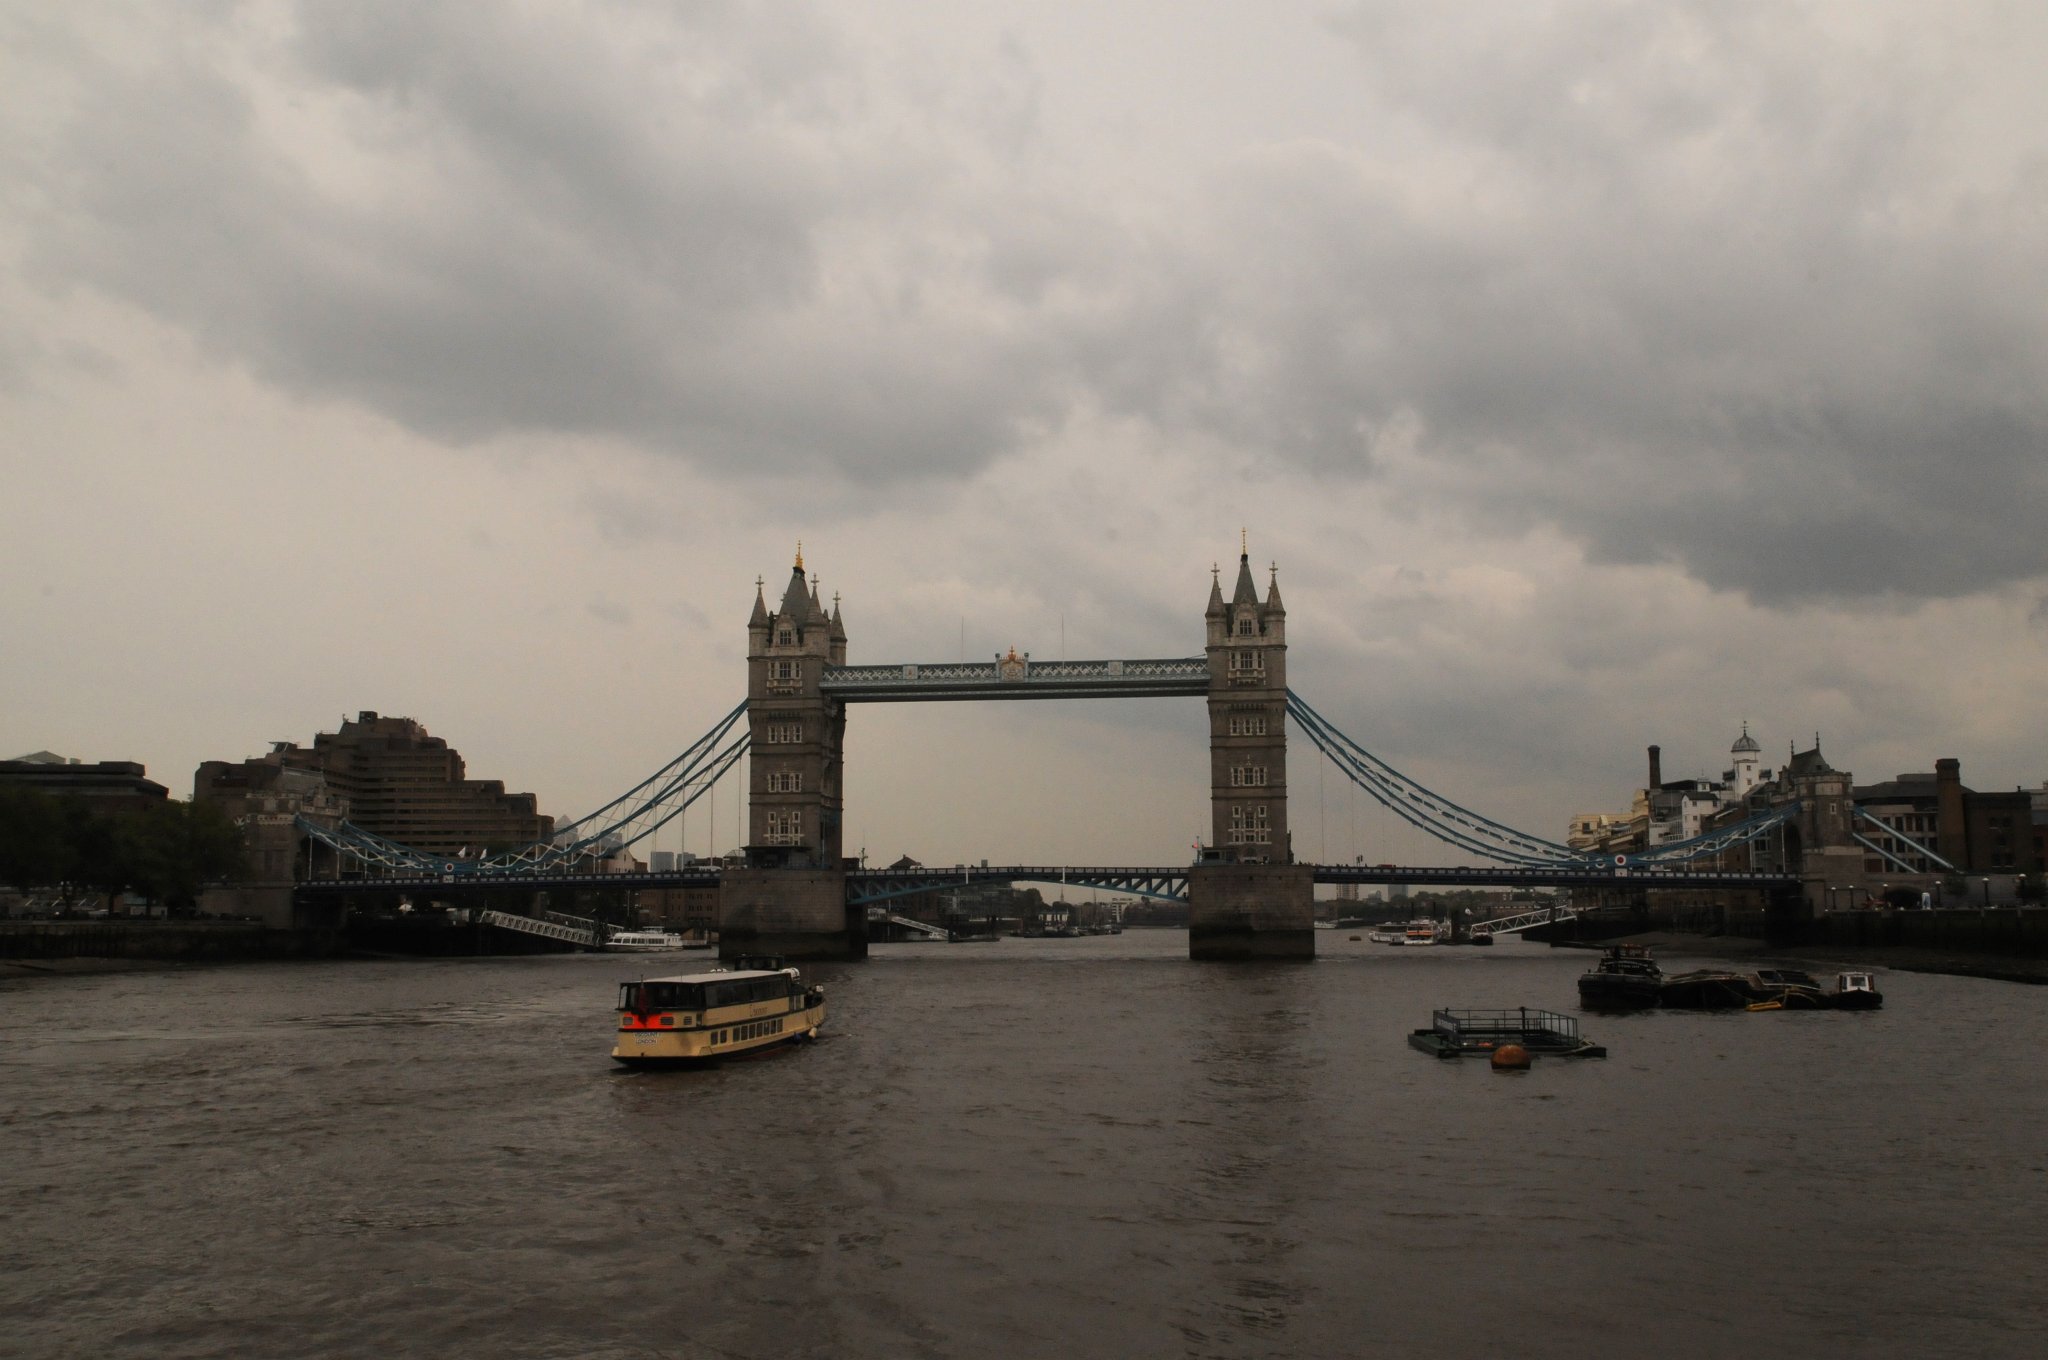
[791, 897]
[1248, 899]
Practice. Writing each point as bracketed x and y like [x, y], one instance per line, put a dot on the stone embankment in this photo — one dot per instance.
[36, 947]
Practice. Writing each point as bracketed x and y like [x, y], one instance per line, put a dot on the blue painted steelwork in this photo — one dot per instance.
[1720, 838]
[1165, 883]
[1467, 830]
[879, 885]
[1900, 836]
[1421, 808]
[1016, 678]
[1603, 875]
[631, 817]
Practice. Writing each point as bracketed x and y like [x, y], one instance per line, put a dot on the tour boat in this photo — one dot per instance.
[643, 942]
[1419, 932]
[699, 1017]
[1388, 934]
[1625, 979]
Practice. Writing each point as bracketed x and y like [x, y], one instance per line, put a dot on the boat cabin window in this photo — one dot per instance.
[743, 991]
[661, 996]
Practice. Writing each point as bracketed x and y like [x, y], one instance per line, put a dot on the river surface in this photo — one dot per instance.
[1033, 1148]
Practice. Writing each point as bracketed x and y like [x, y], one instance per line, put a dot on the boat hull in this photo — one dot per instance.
[1600, 992]
[698, 1047]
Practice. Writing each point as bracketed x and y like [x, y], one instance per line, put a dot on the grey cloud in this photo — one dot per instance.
[1704, 285]
[679, 244]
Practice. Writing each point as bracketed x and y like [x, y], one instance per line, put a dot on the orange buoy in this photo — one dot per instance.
[1511, 1058]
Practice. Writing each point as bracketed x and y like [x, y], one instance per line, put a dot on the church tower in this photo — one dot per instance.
[798, 733]
[1247, 648]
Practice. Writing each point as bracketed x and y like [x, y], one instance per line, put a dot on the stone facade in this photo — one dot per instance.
[1247, 650]
[791, 897]
[797, 734]
[798, 913]
[1240, 912]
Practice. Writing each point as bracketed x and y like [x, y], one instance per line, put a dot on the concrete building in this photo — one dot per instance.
[401, 782]
[1665, 812]
[111, 785]
[1977, 833]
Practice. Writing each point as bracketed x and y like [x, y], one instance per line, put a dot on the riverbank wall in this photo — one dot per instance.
[164, 941]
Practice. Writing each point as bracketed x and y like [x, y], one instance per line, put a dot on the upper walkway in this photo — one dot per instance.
[1016, 677]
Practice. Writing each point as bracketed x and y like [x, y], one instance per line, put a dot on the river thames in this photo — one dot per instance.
[1063, 1148]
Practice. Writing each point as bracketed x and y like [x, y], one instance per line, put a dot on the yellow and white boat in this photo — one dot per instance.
[697, 1017]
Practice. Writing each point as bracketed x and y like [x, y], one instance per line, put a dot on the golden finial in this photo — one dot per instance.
[799, 554]
[1244, 543]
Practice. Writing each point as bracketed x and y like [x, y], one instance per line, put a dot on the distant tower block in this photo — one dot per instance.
[1248, 899]
[791, 897]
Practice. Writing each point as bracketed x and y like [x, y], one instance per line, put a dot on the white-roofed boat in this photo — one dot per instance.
[698, 1017]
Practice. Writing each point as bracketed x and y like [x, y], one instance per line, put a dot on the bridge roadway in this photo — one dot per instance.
[876, 885]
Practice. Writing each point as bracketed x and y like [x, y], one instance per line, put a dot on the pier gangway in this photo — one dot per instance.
[553, 930]
[917, 927]
[1522, 920]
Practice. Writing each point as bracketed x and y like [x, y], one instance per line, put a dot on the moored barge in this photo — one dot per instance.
[1625, 979]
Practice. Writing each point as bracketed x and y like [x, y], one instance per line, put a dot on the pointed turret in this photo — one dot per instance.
[1215, 609]
[796, 598]
[838, 624]
[1274, 609]
[1247, 591]
[760, 616]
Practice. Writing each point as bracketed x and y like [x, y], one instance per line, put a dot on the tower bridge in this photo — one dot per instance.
[798, 894]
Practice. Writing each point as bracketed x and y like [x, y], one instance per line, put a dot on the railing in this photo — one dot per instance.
[921, 927]
[1017, 677]
[527, 925]
[1508, 925]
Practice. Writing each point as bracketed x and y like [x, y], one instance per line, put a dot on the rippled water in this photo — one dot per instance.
[1028, 1148]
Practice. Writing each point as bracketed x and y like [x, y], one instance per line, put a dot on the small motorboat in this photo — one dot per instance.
[1854, 992]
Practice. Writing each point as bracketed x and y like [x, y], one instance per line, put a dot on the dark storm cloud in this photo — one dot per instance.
[659, 231]
[1736, 287]
[1695, 288]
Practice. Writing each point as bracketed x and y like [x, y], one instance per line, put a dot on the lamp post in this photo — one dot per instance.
[1987, 891]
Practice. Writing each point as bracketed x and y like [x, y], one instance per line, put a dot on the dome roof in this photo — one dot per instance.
[1745, 744]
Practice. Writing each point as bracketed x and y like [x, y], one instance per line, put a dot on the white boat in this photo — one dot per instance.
[1388, 934]
[698, 1017]
[643, 942]
[1420, 932]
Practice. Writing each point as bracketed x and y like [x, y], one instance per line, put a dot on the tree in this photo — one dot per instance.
[166, 852]
[35, 849]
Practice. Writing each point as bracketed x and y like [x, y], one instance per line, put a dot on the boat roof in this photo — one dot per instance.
[720, 975]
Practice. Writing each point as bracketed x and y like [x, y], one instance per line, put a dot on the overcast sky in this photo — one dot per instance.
[1597, 374]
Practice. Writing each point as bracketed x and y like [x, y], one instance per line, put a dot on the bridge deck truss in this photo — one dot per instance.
[1016, 679]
